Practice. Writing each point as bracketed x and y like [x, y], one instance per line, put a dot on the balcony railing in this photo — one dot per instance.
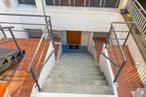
[139, 15]
[39, 57]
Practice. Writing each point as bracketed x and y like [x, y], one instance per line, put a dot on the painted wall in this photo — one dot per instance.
[48, 66]
[106, 68]
[64, 18]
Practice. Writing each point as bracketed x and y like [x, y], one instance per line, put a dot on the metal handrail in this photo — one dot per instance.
[112, 30]
[105, 56]
[140, 6]
[138, 14]
[47, 24]
[27, 15]
[47, 21]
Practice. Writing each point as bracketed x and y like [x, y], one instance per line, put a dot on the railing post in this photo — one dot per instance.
[107, 38]
[3, 32]
[14, 39]
[119, 71]
[36, 81]
[130, 30]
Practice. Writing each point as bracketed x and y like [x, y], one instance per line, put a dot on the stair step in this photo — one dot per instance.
[76, 67]
[81, 76]
[76, 71]
[77, 81]
[80, 89]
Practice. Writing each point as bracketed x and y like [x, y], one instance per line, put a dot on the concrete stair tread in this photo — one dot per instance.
[85, 71]
[77, 81]
[77, 73]
[81, 89]
[81, 76]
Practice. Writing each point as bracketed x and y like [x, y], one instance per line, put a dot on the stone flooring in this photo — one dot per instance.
[76, 73]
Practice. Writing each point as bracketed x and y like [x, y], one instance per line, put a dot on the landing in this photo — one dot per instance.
[76, 73]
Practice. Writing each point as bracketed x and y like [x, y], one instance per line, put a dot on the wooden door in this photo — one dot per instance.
[74, 37]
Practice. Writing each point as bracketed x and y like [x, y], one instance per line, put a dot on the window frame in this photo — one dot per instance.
[25, 2]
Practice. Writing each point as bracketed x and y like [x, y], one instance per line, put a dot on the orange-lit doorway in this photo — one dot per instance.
[74, 37]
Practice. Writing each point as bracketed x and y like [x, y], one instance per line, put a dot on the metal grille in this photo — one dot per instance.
[84, 3]
[139, 15]
[100, 34]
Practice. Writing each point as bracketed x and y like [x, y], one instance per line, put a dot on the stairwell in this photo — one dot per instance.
[77, 73]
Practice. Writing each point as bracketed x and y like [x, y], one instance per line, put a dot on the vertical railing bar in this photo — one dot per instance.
[14, 39]
[69, 3]
[89, 3]
[123, 56]
[100, 3]
[107, 38]
[119, 71]
[117, 3]
[3, 32]
[54, 2]
[104, 3]
[74, 2]
[45, 17]
[114, 51]
[36, 81]
[128, 35]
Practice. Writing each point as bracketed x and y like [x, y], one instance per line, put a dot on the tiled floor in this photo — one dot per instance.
[128, 80]
[20, 80]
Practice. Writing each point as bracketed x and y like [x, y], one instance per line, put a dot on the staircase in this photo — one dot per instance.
[76, 73]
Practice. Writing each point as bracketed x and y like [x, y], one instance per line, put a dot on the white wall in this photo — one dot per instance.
[63, 36]
[85, 37]
[91, 46]
[48, 66]
[106, 68]
[9, 6]
[67, 18]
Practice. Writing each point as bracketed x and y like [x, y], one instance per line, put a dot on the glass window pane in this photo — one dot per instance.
[110, 3]
[94, 3]
[79, 2]
[64, 2]
[49, 2]
[32, 2]
[57, 2]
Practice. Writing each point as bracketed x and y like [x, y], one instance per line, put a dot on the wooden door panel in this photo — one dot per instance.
[74, 37]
